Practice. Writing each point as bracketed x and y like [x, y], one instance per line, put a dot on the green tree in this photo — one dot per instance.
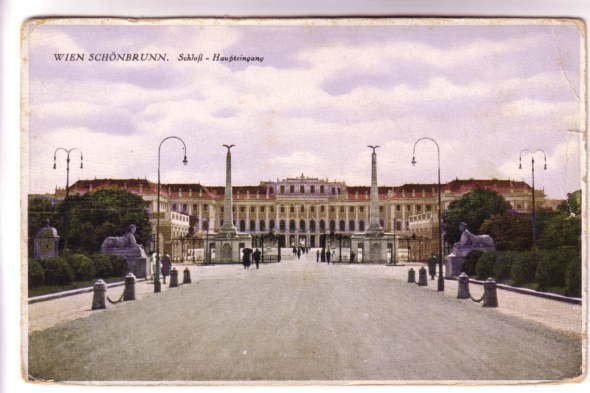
[573, 204]
[84, 221]
[472, 208]
[510, 231]
[561, 230]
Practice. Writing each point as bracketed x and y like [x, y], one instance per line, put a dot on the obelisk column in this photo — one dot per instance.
[228, 219]
[374, 224]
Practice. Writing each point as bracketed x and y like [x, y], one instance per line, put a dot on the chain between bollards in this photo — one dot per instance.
[489, 296]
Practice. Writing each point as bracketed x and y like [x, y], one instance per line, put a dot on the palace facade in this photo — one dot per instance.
[300, 210]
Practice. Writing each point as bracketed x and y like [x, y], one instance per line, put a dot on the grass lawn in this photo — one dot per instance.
[47, 289]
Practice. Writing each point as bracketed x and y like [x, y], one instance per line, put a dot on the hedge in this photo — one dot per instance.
[470, 262]
[103, 265]
[503, 265]
[119, 266]
[524, 267]
[36, 273]
[573, 277]
[551, 268]
[57, 271]
[83, 266]
[485, 265]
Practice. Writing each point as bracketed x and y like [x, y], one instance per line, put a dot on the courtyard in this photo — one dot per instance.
[300, 320]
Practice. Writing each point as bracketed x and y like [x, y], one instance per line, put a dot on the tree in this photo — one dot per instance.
[561, 230]
[510, 231]
[472, 208]
[573, 204]
[84, 221]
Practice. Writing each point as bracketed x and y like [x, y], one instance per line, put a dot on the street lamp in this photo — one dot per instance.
[207, 251]
[441, 280]
[534, 211]
[67, 151]
[157, 287]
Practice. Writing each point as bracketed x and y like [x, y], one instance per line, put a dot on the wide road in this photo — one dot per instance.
[299, 320]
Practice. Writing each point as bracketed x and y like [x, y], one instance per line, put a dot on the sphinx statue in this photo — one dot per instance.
[126, 246]
[467, 243]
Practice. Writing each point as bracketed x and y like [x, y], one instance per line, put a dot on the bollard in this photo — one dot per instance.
[173, 278]
[186, 279]
[463, 291]
[490, 297]
[99, 297]
[422, 277]
[129, 292]
[411, 275]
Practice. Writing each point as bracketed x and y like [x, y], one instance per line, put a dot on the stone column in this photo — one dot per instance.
[228, 221]
[374, 224]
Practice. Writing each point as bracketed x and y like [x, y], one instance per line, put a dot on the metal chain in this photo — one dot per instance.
[116, 301]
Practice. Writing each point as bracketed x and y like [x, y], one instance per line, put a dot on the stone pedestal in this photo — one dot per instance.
[228, 247]
[135, 257]
[374, 246]
[46, 242]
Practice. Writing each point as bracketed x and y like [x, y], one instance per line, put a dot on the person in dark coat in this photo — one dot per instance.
[246, 254]
[328, 256]
[166, 265]
[298, 253]
[317, 256]
[323, 255]
[352, 256]
[256, 257]
[432, 266]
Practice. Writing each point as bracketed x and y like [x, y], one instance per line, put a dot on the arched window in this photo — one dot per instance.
[361, 226]
[351, 225]
[322, 225]
[271, 225]
[252, 226]
[242, 226]
[312, 226]
[342, 225]
[302, 225]
[262, 225]
[332, 225]
[292, 226]
[205, 225]
[282, 225]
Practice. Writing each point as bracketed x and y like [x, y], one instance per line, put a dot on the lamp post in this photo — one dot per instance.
[157, 285]
[534, 211]
[441, 280]
[207, 251]
[67, 151]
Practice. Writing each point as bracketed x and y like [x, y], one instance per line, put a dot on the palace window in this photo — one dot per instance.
[428, 208]
[322, 209]
[302, 208]
[184, 207]
[312, 209]
[262, 225]
[333, 191]
[252, 209]
[418, 208]
[341, 209]
[242, 226]
[321, 189]
[271, 224]
[332, 209]
[332, 225]
[302, 225]
[312, 226]
[292, 209]
[292, 226]
[312, 189]
[322, 225]
[361, 225]
[282, 209]
[262, 209]
[194, 208]
[342, 225]
[242, 209]
[174, 207]
[291, 189]
[362, 209]
[302, 189]
[205, 207]
[381, 208]
[282, 189]
[282, 225]
[398, 207]
[252, 226]
[351, 209]
[351, 225]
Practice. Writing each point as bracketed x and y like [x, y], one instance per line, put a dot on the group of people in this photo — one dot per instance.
[300, 250]
[249, 255]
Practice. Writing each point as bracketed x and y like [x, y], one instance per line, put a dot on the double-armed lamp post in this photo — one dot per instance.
[67, 151]
[523, 153]
[441, 279]
[157, 285]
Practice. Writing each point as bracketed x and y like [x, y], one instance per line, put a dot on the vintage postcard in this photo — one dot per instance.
[303, 201]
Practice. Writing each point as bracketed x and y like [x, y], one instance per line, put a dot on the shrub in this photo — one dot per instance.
[119, 265]
[57, 271]
[503, 265]
[573, 277]
[103, 265]
[524, 267]
[551, 269]
[485, 265]
[471, 262]
[83, 266]
[36, 273]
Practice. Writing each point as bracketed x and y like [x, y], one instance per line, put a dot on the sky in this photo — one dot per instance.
[324, 91]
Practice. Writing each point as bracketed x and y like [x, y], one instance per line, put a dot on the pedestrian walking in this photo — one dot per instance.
[256, 256]
[298, 253]
[317, 256]
[352, 256]
[166, 265]
[432, 266]
[323, 255]
[246, 254]
[328, 256]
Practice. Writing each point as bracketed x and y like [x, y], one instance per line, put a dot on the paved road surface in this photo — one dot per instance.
[300, 320]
